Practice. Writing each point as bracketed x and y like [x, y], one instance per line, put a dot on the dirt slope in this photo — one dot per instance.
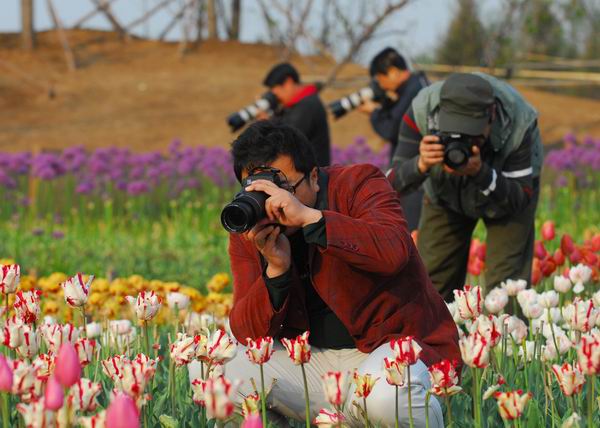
[142, 94]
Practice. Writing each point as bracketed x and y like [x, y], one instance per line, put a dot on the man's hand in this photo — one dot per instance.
[431, 153]
[262, 115]
[368, 107]
[471, 168]
[282, 207]
[273, 245]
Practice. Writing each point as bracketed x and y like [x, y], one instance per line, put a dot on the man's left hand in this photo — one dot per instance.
[471, 168]
[368, 107]
[284, 208]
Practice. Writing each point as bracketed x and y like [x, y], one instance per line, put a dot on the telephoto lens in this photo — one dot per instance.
[344, 105]
[267, 103]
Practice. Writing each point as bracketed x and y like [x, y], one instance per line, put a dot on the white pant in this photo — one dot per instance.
[287, 396]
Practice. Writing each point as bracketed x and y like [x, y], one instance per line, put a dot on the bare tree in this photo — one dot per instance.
[211, 16]
[27, 32]
[236, 11]
[69, 55]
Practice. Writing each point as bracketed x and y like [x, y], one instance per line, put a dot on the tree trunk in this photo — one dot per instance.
[27, 32]
[236, 11]
[211, 17]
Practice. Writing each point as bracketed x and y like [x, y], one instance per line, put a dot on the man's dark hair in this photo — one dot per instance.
[279, 73]
[264, 141]
[389, 57]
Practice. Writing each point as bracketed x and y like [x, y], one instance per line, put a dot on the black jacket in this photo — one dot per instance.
[387, 119]
[310, 117]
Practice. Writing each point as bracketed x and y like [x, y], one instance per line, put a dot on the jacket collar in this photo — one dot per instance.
[323, 194]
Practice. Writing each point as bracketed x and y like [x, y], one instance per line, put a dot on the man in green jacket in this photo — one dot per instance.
[490, 124]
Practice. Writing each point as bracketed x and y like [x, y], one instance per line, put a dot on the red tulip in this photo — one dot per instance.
[575, 256]
[122, 413]
[481, 251]
[590, 258]
[566, 244]
[539, 250]
[596, 242]
[475, 267]
[548, 232]
[536, 275]
[68, 367]
[54, 395]
[548, 266]
[559, 257]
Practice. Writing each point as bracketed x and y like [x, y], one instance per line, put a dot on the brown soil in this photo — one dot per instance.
[142, 94]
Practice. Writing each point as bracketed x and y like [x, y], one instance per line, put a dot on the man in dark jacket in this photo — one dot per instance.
[301, 107]
[391, 72]
[344, 267]
[499, 183]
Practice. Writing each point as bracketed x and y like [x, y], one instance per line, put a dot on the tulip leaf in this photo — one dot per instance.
[167, 421]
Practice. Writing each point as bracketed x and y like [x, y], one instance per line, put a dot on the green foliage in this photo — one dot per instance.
[464, 41]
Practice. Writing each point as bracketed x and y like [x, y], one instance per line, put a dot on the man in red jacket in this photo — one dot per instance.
[343, 266]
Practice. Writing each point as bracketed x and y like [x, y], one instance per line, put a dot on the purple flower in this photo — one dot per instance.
[137, 188]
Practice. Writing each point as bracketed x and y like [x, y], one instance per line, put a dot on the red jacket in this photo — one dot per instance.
[370, 274]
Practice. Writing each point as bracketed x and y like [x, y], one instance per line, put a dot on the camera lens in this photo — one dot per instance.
[456, 154]
[238, 217]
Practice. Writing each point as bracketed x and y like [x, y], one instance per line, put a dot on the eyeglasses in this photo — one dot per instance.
[283, 181]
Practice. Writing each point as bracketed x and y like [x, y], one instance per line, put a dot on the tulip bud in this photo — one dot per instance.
[496, 300]
[76, 290]
[569, 378]
[6, 375]
[475, 350]
[335, 385]
[122, 413]
[469, 301]
[566, 244]
[513, 287]
[444, 378]
[27, 305]
[539, 250]
[559, 257]
[581, 315]
[219, 396]
[221, 348]
[68, 368]
[406, 350]
[178, 301]
[548, 232]
[363, 384]
[588, 355]
[146, 305]
[394, 372]
[54, 395]
[512, 404]
[562, 284]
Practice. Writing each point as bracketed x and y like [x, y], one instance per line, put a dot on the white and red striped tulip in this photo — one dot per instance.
[77, 290]
[145, 305]
[85, 349]
[489, 327]
[569, 378]
[588, 354]
[27, 305]
[335, 385]
[444, 378]
[475, 350]
[394, 372]
[298, 349]
[259, 351]
[10, 276]
[406, 349]
[363, 384]
[469, 302]
[96, 421]
[581, 315]
[83, 395]
[218, 397]
[220, 348]
[183, 350]
[250, 405]
[329, 419]
[512, 404]
[56, 334]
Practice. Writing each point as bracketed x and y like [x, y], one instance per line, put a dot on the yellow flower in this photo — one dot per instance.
[171, 286]
[27, 283]
[101, 285]
[214, 298]
[96, 299]
[218, 282]
[119, 287]
[51, 307]
[7, 262]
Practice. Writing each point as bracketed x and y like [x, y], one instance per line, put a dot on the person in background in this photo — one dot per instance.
[498, 182]
[389, 69]
[300, 107]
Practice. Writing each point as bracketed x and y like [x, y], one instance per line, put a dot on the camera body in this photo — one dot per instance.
[457, 149]
[267, 102]
[344, 105]
[248, 208]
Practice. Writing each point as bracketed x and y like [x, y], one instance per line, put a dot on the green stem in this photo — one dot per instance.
[553, 335]
[203, 421]
[5, 405]
[476, 407]
[172, 387]
[306, 398]
[263, 401]
[448, 410]
[7, 307]
[366, 413]
[410, 415]
[397, 423]
[84, 320]
[590, 415]
[338, 410]
[427, 409]
[146, 339]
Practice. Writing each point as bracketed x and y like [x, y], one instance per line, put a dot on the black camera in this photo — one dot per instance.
[267, 102]
[457, 149]
[248, 208]
[344, 105]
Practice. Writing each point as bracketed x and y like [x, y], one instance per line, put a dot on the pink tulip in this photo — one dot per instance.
[252, 422]
[54, 395]
[122, 413]
[68, 367]
[6, 375]
[548, 232]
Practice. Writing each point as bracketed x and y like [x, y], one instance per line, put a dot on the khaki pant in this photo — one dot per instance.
[287, 396]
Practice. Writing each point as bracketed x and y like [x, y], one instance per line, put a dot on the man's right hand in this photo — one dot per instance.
[273, 245]
[430, 153]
